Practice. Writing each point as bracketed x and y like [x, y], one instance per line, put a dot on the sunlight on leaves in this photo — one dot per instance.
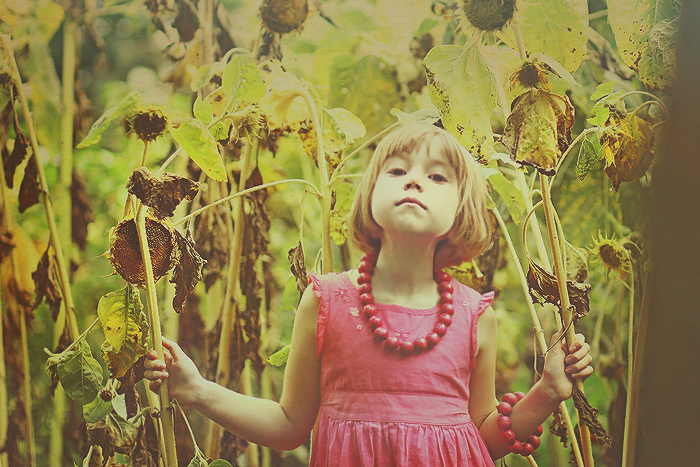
[463, 88]
[343, 195]
[201, 146]
[283, 103]
[280, 357]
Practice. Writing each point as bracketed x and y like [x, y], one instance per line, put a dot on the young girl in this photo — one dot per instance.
[399, 358]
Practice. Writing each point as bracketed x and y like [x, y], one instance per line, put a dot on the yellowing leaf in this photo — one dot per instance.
[558, 28]
[463, 89]
[122, 318]
[538, 130]
[646, 33]
[280, 357]
[628, 150]
[283, 103]
[343, 196]
[200, 145]
[241, 79]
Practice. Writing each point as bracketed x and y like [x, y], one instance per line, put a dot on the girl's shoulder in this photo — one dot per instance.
[472, 298]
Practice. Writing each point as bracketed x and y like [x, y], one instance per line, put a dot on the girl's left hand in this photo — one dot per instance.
[561, 367]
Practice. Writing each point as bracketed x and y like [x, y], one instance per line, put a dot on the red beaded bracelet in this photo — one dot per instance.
[504, 422]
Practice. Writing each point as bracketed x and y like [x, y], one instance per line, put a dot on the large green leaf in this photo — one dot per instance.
[125, 327]
[464, 90]
[96, 410]
[95, 134]
[200, 145]
[241, 79]
[646, 33]
[80, 373]
[558, 28]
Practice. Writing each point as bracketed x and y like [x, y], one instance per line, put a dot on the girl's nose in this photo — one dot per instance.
[413, 185]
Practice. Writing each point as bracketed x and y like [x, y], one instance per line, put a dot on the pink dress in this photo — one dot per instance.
[385, 409]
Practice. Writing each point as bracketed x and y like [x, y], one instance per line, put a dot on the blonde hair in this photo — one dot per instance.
[471, 232]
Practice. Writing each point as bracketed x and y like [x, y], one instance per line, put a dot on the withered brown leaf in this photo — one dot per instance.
[46, 284]
[544, 288]
[627, 148]
[82, 210]
[538, 130]
[125, 252]
[558, 427]
[589, 415]
[29, 189]
[298, 267]
[146, 450]
[6, 243]
[163, 194]
[12, 160]
[188, 269]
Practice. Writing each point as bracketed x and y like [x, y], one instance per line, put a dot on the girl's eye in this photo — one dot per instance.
[438, 178]
[397, 171]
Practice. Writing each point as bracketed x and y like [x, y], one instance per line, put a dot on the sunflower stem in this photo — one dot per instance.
[567, 315]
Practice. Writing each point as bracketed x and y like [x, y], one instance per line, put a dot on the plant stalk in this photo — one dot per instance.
[567, 315]
[167, 412]
[228, 313]
[539, 332]
[3, 390]
[48, 205]
[629, 444]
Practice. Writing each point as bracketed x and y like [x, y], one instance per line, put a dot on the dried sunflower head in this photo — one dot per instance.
[484, 15]
[532, 74]
[125, 251]
[611, 253]
[283, 16]
[148, 124]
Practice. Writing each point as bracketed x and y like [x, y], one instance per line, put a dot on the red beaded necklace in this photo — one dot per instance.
[392, 343]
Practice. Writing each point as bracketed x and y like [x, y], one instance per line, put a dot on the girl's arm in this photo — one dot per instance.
[542, 399]
[280, 425]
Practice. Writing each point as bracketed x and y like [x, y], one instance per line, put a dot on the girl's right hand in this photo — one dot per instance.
[178, 368]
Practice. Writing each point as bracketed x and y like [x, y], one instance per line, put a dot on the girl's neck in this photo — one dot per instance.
[404, 276]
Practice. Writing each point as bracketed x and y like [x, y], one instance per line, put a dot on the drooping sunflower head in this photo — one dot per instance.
[611, 253]
[484, 15]
[532, 74]
[147, 124]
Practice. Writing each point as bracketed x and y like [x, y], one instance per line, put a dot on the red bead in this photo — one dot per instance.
[366, 298]
[364, 278]
[445, 287]
[445, 319]
[370, 310]
[504, 408]
[392, 343]
[365, 288]
[527, 449]
[440, 329]
[376, 322]
[508, 436]
[420, 344]
[371, 257]
[516, 447]
[538, 431]
[365, 266]
[511, 398]
[446, 297]
[406, 347]
[448, 308]
[381, 333]
[504, 422]
[432, 338]
[534, 441]
[441, 276]
[520, 395]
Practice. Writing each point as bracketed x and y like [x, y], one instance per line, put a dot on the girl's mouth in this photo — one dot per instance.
[411, 201]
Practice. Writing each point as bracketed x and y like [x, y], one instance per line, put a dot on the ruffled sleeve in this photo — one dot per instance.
[477, 311]
[320, 288]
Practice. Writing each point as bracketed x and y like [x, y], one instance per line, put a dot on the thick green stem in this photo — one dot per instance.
[539, 332]
[166, 409]
[232, 294]
[630, 367]
[629, 445]
[567, 315]
[48, 205]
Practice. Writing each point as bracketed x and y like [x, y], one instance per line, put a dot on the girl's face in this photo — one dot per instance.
[416, 193]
